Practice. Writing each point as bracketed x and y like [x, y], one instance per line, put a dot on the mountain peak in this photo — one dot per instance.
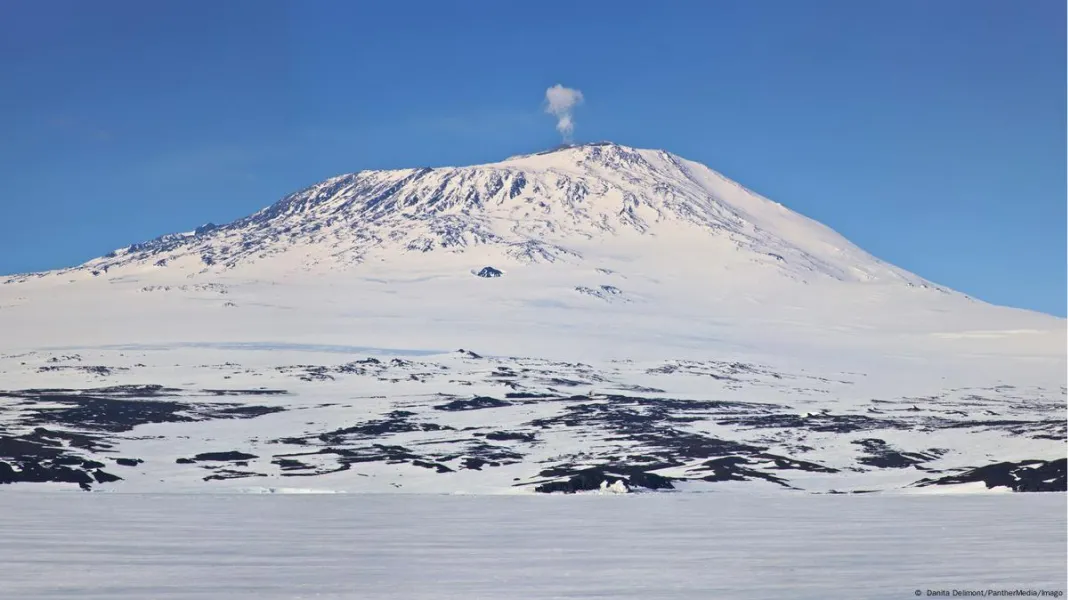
[572, 146]
[590, 150]
[543, 207]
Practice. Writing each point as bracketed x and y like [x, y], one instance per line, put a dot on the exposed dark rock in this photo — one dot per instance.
[641, 389]
[474, 463]
[93, 370]
[232, 455]
[92, 442]
[734, 468]
[494, 455]
[784, 463]
[818, 422]
[222, 474]
[346, 457]
[1023, 476]
[476, 403]
[884, 456]
[289, 464]
[503, 436]
[310, 372]
[564, 382]
[110, 414]
[604, 292]
[651, 424]
[60, 431]
[440, 468]
[49, 456]
[592, 478]
[121, 408]
[43, 473]
[528, 395]
[1049, 429]
[104, 477]
[393, 422]
[242, 412]
[489, 272]
[256, 392]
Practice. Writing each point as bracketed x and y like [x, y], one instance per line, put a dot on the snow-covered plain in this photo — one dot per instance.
[369, 547]
[652, 317]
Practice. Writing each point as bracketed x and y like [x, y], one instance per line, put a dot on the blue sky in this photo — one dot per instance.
[932, 134]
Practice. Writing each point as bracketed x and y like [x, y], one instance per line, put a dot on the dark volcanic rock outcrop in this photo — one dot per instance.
[1023, 476]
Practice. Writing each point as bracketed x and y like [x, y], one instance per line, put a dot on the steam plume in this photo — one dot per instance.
[559, 102]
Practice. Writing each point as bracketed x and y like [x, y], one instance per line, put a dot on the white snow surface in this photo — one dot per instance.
[378, 547]
[552, 206]
[624, 271]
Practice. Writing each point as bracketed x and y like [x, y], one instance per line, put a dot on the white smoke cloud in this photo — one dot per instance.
[559, 102]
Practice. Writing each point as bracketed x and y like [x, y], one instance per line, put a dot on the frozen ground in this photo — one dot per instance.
[714, 545]
[234, 419]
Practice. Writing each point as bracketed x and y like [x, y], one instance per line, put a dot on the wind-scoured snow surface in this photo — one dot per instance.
[592, 318]
[57, 546]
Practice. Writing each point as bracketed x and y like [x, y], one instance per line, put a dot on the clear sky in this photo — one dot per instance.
[930, 133]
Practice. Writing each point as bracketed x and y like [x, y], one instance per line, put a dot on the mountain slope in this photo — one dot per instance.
[536, 208]
[627, 318]
[607, 246]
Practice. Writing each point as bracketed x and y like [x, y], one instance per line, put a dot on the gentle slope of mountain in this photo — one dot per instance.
[628, 318]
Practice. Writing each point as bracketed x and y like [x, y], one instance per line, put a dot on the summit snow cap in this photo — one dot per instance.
[559, 102]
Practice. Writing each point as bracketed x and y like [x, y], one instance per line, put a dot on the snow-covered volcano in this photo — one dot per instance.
[535, 208]
[621, 310]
